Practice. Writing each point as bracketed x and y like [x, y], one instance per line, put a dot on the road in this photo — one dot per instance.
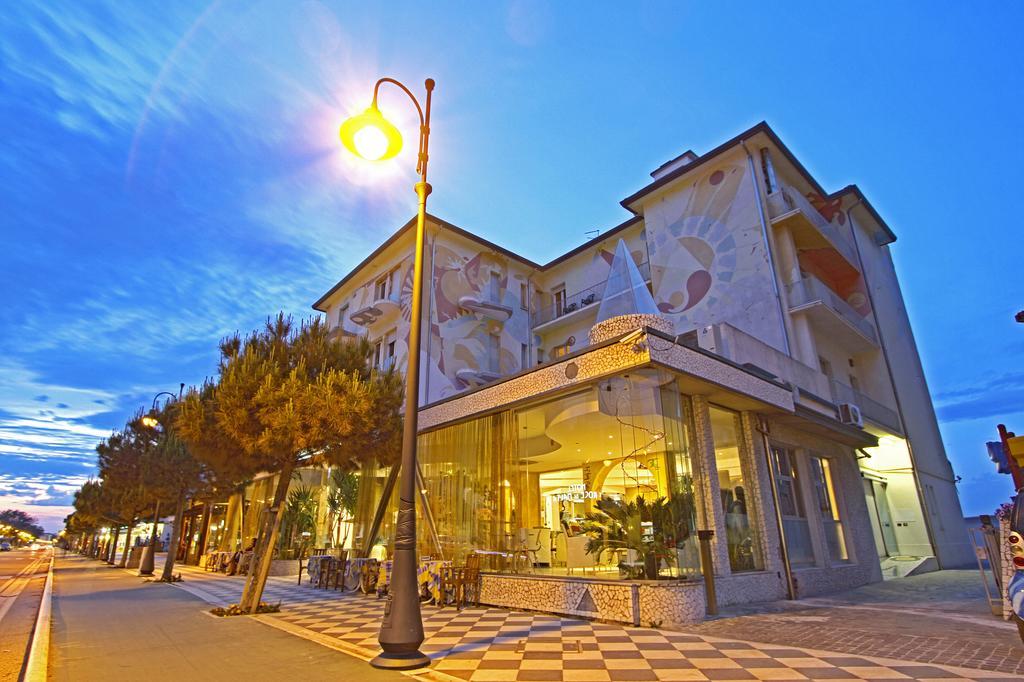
[109, 624]
[22, 576]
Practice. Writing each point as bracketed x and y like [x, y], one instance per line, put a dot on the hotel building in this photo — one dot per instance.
[736, 356]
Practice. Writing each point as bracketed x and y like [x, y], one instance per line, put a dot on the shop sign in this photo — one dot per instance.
[577, 493]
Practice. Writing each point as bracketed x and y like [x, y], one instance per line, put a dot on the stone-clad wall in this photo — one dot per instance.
[638, 602]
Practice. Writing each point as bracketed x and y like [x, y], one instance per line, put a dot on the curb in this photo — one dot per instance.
[39, 654]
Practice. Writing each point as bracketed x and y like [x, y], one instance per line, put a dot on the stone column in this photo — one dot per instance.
[707, 485]
[760, 504]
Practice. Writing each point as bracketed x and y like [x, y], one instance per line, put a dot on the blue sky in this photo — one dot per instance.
[170, 173]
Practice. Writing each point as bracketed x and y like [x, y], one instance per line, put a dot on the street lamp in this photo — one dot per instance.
[150, 421]
[372, 137]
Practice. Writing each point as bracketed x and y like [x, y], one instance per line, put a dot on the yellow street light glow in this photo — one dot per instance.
[150, 422]
[370, 136]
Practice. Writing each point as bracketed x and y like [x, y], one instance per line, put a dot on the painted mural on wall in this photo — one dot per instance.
[477, 322]
[708, 260]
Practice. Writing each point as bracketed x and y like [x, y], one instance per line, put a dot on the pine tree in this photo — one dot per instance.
[286, 394]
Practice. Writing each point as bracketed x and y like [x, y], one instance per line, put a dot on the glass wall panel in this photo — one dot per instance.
[606, 482]
[598, 482]
[821, 475]
[791, 505]
[470, 482]
[741, 531]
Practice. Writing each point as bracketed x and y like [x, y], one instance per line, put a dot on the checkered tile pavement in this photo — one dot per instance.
[492, 645]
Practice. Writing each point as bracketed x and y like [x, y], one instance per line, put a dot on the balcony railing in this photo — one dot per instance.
[789, 199]
[870, 408]
[810, 290]
[581, 299]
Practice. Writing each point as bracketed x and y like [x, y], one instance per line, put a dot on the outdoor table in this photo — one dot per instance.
[428, 576]
[313, 568]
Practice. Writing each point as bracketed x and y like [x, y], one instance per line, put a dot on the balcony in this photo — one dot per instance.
[489, 309]
[575, 305]
[870, 409]
[477, 377]
[831, 314]
[809, 228]
[733, 344]
[383, 310]
[340, 334]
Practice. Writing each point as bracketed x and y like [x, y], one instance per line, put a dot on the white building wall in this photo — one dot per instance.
[942, 503]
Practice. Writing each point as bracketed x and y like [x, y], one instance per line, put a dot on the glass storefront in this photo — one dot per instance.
[835, 540]
[598, 483]
[741, 531]
[791, 506]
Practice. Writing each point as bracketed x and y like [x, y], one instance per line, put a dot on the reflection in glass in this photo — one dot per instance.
[741, 534]
[821, 475]
[524, 486]
[791, 505]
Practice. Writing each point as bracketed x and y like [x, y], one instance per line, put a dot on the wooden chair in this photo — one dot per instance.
[324, 572]
[337, 571]
[462, 580]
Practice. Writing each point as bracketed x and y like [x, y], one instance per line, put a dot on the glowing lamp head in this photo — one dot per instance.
[370, 136]
[150, 422]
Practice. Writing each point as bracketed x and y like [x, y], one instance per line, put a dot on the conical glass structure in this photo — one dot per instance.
[625, 292]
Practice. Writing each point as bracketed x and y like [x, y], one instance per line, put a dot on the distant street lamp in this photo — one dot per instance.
[150, 421]
[372, 137]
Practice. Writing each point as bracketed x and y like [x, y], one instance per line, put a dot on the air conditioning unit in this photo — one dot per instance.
[850, 414]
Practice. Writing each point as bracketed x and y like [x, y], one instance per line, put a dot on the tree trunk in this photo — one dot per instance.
[260, 580]
[250, 573]
[127, 545]
[172, 549]
[112, 554]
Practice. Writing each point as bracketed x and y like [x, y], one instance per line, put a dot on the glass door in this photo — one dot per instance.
[885, 518]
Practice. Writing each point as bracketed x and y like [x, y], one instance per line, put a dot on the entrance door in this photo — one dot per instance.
[885, 517]
[881, 518]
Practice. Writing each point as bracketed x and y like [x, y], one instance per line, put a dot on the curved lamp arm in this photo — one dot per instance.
[421, 156]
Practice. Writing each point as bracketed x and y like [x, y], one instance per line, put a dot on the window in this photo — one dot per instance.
[494, 292]
[524, 356]
[524, 297]
[559, 298]
[826, 366]
[821, 475]
[854, 383]
[342, 312]
[384, 286]
[791, 506]
[494, 353]
[540, 356]
[384, 351]
[742, 536]
[770, 182]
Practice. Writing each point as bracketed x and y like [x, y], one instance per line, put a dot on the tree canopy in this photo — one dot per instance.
[20, 520]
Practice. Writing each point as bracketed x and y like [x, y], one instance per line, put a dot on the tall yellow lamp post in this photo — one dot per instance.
[151, 422]
[372, 137]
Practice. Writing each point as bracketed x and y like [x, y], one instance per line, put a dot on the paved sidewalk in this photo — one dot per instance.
[490, 644]
[109, 624]
[939, 617]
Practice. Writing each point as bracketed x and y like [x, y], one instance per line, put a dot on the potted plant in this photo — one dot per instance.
[654, 531]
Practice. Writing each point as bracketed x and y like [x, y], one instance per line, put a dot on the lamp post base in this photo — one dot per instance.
[400, 660]
[148, 560]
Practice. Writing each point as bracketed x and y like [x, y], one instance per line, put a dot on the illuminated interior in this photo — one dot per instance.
[523, 487]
